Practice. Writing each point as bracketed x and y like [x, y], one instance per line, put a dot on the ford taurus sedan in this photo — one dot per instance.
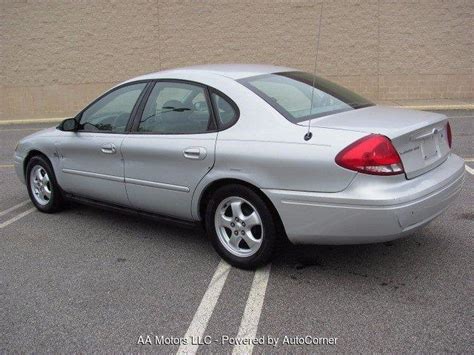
[257, 154]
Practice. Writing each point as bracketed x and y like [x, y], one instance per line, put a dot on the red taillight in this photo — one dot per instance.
[449, 134]
[373, 154]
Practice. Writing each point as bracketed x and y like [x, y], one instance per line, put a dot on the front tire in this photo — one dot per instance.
[43, 188]
[241, 227]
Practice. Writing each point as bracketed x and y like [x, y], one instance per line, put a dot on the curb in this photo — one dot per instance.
[413, 107]
[439, 107]
[32, 120]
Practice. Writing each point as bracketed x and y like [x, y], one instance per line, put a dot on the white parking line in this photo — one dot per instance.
[7, 165]
[253, 309]
[17, 217]
[205, 309]
[3, 213]
[469, 169]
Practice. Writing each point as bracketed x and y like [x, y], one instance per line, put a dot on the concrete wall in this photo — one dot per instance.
[55, 56]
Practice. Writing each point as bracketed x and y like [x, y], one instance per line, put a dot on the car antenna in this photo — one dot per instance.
[309, 134]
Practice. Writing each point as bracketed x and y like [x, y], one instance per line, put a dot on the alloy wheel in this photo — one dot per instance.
[239, 226]
[40, 184]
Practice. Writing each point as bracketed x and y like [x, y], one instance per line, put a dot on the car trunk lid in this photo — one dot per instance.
[419, 137]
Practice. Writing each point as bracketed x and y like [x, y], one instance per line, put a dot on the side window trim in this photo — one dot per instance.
[140, 101]
[132, 114]
[213, 125]
[141, 108]
[221, 127]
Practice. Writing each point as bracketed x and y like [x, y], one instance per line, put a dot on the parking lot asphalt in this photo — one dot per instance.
[91, 280]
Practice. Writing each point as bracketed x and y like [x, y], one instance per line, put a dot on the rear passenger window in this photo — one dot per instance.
[226, 114]
[176, 108]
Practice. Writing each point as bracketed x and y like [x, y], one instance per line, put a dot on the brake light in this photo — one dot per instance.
[449, 134]
[373, 154]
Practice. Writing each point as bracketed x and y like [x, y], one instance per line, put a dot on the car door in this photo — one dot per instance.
[170, 149]
[91, 163]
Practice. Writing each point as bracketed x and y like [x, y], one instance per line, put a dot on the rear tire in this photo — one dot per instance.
[43, 188]
[241, 227]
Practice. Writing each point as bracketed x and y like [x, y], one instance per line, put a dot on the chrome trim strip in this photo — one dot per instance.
[93, 175]
[158, 185]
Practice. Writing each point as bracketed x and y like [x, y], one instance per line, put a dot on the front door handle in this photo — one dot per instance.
[197, 153]
[108, 148]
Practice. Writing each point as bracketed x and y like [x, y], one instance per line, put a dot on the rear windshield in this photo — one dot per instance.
[291, 93]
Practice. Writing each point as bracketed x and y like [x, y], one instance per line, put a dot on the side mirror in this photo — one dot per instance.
[69, 125]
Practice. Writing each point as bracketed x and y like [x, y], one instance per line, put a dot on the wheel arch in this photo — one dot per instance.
[216, 184]
[32, 153]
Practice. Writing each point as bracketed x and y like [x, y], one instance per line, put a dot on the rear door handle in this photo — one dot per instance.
[196, 153]
[108, 148]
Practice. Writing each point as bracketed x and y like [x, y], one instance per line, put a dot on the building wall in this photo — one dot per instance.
[55, 56]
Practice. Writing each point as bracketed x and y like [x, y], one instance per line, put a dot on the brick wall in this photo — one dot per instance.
[55, 56]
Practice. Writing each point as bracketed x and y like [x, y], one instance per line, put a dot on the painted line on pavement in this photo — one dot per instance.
[3, 213]
[6, 165]
[469, 160]
[253, 309]
[469, 169]
[17, 217]
[205, 309]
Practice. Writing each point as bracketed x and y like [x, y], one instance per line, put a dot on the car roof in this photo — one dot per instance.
[232, 71]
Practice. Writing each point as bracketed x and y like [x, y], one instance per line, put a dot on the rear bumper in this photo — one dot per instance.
[372, 209]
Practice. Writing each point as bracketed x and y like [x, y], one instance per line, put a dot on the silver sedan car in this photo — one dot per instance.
[256, 154]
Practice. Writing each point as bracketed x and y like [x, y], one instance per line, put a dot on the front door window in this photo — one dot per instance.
[112, 112]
